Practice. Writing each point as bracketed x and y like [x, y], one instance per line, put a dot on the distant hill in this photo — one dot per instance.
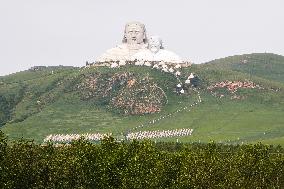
[265, 65]
[39, 102]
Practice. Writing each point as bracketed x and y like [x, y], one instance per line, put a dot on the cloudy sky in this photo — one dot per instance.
[70, 32]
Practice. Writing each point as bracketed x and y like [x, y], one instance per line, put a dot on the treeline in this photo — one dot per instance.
[24, 164]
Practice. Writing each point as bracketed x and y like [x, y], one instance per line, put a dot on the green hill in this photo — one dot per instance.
[59, 100]
[265, 65]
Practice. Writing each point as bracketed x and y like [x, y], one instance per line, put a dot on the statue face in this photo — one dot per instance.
[134, 34]
[155, 44]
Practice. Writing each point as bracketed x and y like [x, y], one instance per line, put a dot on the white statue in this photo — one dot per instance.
[156, 52]
[133, 40]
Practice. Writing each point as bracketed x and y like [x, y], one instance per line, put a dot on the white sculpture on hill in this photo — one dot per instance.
[136, 49]
[134, 39]
[156, 52]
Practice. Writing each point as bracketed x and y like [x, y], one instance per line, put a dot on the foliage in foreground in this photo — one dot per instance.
[23, 164]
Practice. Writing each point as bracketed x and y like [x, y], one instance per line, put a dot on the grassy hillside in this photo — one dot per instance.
[264, 65]
[35, 104]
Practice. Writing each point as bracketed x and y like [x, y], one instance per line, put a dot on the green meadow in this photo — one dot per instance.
[35, 104]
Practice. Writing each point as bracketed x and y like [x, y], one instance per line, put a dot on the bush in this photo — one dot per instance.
[110, 164]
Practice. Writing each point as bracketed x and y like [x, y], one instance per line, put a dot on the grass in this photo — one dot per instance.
[72, 115]
[219, 120]
[229, 122]
[259, 117]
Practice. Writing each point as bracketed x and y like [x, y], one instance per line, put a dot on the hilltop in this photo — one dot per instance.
[242, 101]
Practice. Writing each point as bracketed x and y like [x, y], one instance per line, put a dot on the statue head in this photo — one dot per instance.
[155, 43]
[134, 33]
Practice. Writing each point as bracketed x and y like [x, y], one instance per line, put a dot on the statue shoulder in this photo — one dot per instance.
[143, 54]
[113, 54]
[169, 56]
[118, 48]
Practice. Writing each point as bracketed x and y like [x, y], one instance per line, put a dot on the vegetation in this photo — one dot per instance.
[123, 92]
[36, 103]
[24, 164]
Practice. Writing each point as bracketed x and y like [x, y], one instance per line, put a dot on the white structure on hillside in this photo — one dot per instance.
[134, 39]
[136, 48]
